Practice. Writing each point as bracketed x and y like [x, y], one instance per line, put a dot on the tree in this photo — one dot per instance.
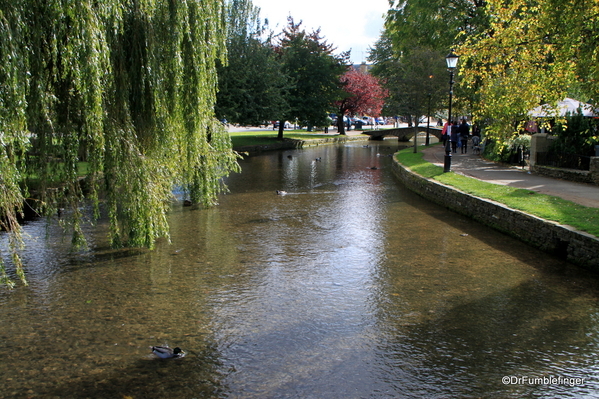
[413, 80]
[434, 24]
[515, 54]
[414, 27]
[384, 61]
[124, 85]
[533, 52]
[364, 95]
[251, 84]
[382, 56]
[314, 73]
[421, 74]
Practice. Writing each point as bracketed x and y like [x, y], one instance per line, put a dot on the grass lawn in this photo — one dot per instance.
[541, 205]
[33, 179]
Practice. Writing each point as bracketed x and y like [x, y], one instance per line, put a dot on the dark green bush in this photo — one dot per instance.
[578, 135]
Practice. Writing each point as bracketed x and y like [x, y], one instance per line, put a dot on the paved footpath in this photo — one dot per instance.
[474, 166]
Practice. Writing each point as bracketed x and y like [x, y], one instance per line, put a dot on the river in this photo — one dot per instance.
[348, 286]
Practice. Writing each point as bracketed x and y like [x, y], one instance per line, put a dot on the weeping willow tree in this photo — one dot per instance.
[124, 87]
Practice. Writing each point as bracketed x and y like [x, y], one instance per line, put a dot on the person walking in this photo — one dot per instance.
[445, 133]
[464, 131]
[454, 135]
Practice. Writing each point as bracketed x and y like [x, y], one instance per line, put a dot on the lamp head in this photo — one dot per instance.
[452, 60]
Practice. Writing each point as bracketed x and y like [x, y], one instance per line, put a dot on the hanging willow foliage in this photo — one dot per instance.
[126, 86]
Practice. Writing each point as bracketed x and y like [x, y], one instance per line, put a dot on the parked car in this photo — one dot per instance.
[275, 125]
[358, 123]
[367, 120]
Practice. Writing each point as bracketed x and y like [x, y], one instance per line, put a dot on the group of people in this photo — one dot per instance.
[459, 134]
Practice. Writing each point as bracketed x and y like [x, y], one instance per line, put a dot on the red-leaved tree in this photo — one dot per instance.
[365, 95]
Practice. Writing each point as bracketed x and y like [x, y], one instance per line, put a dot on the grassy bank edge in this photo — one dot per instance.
[541, 205]
[266, 137]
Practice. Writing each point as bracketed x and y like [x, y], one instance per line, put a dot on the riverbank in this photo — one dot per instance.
[558, 239]
[516, 177]
[256, 142]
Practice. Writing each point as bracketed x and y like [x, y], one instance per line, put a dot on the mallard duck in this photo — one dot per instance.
[281, 192]
[164, 352]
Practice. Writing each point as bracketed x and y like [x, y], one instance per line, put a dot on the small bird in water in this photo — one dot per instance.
[281, 192]
[164, 352]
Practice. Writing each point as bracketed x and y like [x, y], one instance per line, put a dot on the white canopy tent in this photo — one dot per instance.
[568, 105]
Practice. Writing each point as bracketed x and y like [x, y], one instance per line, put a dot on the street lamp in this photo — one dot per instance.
[428, 120]
[452, 63]
[428, 115]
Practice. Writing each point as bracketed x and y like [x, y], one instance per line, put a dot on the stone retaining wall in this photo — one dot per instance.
[582, 176]
[541, 142]
[290, 144]
[563, 241]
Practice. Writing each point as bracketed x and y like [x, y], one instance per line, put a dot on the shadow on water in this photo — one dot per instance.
[501, 241]
[101, 256]
[197, 375]
[471, 346]
[442, 347]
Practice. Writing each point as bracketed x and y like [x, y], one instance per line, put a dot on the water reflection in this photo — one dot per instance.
[347, 287]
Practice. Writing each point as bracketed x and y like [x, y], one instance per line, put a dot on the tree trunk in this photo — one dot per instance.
[281, 129]
[340, 124]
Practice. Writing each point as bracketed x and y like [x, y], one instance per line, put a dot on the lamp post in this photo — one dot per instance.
[452, 63]
[428, 120]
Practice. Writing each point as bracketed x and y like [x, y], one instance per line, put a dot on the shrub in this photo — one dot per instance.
[577, 135]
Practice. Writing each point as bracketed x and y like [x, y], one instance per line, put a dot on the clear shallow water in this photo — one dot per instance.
[350, 286]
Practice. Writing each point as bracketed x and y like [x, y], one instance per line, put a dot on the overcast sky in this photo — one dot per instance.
[347, 24]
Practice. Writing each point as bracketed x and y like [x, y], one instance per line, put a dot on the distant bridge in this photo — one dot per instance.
[402, 133]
